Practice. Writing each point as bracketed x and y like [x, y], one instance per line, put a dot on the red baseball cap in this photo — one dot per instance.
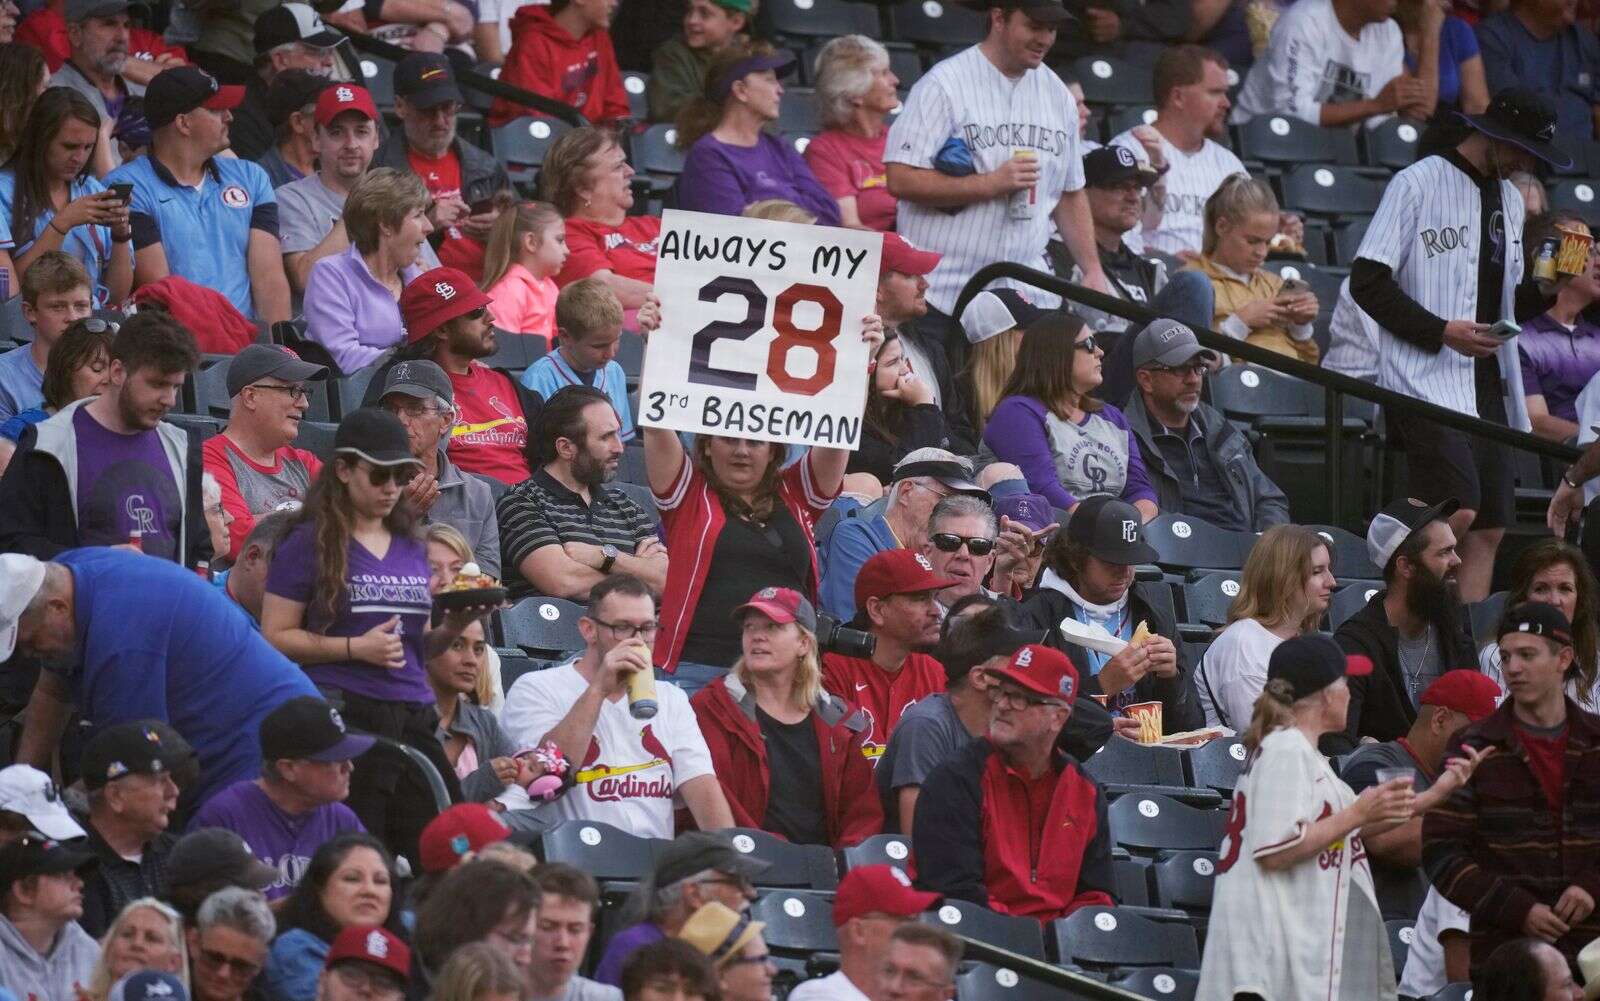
[449, 837]
[371, 944]
[897, 571]
[899, 255]
[780, 604]
[1470, 693]
[338, 98]
[879, 889]
[1041, 670]
[436, 297]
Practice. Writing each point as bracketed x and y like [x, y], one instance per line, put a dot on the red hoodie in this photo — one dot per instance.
[546, 59]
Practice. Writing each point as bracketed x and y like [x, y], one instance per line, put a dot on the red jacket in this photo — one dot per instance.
[546, 59]
[726, 712]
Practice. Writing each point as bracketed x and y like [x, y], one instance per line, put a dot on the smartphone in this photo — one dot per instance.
[483, 205]
[1504, 330]
[124, 191]
[1294, 286]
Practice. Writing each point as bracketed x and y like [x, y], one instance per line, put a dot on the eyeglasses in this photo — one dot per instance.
[476, 314]
[416, 409]
[1002, 696]
[226, 964]
[297, 392]
[1088, 344]
[949, 542]
[368, 982]
[381, 475]
[739, 883]
[1196, 368]
[95, 325]
[628, 630]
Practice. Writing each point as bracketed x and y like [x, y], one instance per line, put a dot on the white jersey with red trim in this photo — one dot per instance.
[1311, 932]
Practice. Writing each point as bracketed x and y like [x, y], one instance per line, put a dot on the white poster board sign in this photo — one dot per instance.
[760, 332]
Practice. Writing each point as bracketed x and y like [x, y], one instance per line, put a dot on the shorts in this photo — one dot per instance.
[1443, 463]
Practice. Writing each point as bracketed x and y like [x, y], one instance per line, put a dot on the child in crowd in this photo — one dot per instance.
[678, 66]
[527, 248]
[56, 290]
[588, 330]
[1252, 303]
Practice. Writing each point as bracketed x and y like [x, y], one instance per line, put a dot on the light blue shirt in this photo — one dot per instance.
[350, 312]
[21, 382]
[89, 244]
[553, 371]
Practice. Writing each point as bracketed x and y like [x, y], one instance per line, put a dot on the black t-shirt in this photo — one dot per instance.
[794, 796]
[747, 558]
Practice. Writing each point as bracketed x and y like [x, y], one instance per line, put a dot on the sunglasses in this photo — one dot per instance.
[224, 963]
[1088, 344]
[949, 542]
[380, 476]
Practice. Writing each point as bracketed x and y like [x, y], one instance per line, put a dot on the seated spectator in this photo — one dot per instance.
[353, 298]
[1442, 53]
[254, 459]
[923, 959]
[228, 943]
[564, 921]
[627, 776]
[737, 952]
[902, 302]
[225, 237]
[1331, 63]
[1198, 462]
[855, 95]
[218, 519]
[349, 882]
[789, 755]
[298, 802]
[56, 293]
[49, 497]
[678, 66]
[896, 602]
[1413, 630]
[420, 394]
[1283, 592]
[478, 972]
[1251, 303]
[44, 953]
[128, 776]
[1068, 444]
[1088, 577]
[563, 51]
[1534, 198]
[900, 416]
[966, 545]
[563, 530]
[79, 366]
[1132, 32]
[246, 580]
[365, 962]
[1560, 349]
[290, 37]
[453, 838]
[993, 323]
[1525, 966]
[973, 830]
[29, 801]
[50, 203]
[871, 900]
[421, 27]
[478, 901]
[1555, 572]
[732, 161]
[586, 177]
[292, 109]
[588, 328]
[146, 935]
[97, 68]
[206, 860]
[448, 552]
[46, 31]
[527, 248]
[23, 78]
[1541, 46]
[668, 969]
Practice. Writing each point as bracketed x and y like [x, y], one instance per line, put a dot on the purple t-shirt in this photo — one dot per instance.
[725, 179]
[1557, 363]
[125, 483]
[282, 840]
[623, 945]
[375, 590]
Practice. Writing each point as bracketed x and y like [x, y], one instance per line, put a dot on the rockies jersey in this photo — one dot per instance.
[965, 97]
[1190, 181]
[1311, 61]
[1352, 339]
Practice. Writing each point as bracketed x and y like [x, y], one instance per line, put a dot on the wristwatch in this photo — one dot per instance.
[1566, 477]
[610, 553]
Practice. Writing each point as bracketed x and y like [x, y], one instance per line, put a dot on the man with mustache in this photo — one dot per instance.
[98, 39]
[1413, 631]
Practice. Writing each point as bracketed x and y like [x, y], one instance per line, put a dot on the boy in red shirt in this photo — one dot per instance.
[564, 52]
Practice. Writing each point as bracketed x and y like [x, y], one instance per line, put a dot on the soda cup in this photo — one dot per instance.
[642, 694]
[1022, 203]
[1544, 260]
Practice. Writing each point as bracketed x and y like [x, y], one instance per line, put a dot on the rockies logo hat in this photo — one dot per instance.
[781, 605]
[293, 22]
[1042, 671]
[436, 297]
[1108, 165]
[1525, 118]
[897, 571]
[1394, 524]
[1313, 661]
[307, 728]
[425, 80]
[1112, 530]
[419, 379]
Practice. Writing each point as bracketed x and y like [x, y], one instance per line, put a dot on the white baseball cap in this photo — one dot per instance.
[1394, 524]
[994, 312]
[28, 791]
[20, 579]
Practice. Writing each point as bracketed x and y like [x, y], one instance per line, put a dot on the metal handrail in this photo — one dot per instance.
[477, 81]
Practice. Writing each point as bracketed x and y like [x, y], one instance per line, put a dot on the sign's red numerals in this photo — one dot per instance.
[790, 336]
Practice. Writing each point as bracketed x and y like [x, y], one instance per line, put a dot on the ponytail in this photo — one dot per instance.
[702, 114]
[505, 238]
[1272, 712]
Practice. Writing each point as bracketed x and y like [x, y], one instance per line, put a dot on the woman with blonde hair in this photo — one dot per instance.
[993, 322]
[1283, 593]
[779, 210]
[479, 972]
[147, 935]
[856, 91]
[772, 730]
[448, 552]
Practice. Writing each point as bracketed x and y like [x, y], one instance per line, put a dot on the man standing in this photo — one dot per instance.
[254, 460]
[44, 954]
[1531, 788]
[563, 924]
[288, 37]
[871, 902]
[901, 302]
[128, 776]
[298, 802]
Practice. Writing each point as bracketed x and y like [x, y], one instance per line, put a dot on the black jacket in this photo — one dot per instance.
[952, 394]
[1380, 707]
[1252, 492]
[921, 426]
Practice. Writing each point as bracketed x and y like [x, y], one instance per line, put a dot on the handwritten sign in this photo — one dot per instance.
[760, 331]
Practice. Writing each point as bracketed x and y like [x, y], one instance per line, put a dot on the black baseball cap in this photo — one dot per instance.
[1391, 527]
[1537, 619]
[33, 854]
[419, 379]
[1107, 165]
[1522, 117]
[1111, 529]
[216, 854]
[181, 89]
[1311, 662]
[374, 435]
[307, 728]
[1043, 11]
[292, 90]
[697, 851]
[260, 361]
[293, 22]
[426, 79]
[122, 750]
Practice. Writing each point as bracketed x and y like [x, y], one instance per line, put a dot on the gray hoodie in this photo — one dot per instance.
[57, 976]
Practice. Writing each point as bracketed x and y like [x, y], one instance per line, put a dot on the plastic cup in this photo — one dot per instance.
[1386, 775]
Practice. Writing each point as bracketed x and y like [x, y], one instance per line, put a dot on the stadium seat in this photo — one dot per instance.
[516, 351]
[798, 921]
[1485, 617]
[514, 664]
[601, 850]
[637, 85]
[316, 437]
[1107, 80]
[1125, 762]
[13, 325]
[1281, 139]
[986, 982]
[906, 64]
[633, 469]
[1184, 879]
[346, 392]
[939, 23]
[798, 111]
[378, 77]
[1250, 391]
[1163, 984]
[1331, 190]
[1101, 937]
[654, 151]
[1208, 599]
[1400, 935]
[542, 625]
[820, 18]
[789, 865]
[1392, 144]
[1158, 595]
[521, 144]
[1010, 932]
[1217, 764]
[1453, 992]
[1132, 877]
[880, 849]
[1348, 553]
[630, 355]
[1183, 542]
[1152, 822]
[195, 424]
[1347, 236]
[1573, 196]
[1121, 120]
[1347, 601]
[640, 495]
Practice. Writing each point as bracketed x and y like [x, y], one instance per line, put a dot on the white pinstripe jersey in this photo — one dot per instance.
[1427, 232]
[965, 96]
[1191, 179]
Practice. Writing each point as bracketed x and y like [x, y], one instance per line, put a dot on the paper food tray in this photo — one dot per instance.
[1091, 637]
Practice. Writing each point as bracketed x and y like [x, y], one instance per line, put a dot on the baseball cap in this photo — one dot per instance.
[1043, 11]
[782, 62]
[419, 379]
[1042, 671]
[290, 91]
[899, 255]
[338, 98]
[994, 311]
[696, 851]
[370, 944]
[1313, 661]
[458, 831]
[780, 604]
[425, 79]
[307, 728]
[21, 577]
[216, 854]
[1537, 619]
[1168, 342]
[1391, 526]
[1106, 165]
[148, 985]
[1470, 693]
[1030, 510]
[1111, 529]
[78, 11]
[293, 22]
[896, 571]
[262, 361]
[436, 297]
[719, 931]
[879, 889]
[33, 854]
[27, 791]
[181, 89]
[947, 467]
[121, 750]
[374, 435]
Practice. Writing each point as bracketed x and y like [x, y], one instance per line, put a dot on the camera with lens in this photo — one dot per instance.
[833, 636]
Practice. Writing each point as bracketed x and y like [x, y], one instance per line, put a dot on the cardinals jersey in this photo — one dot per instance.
[882, 696]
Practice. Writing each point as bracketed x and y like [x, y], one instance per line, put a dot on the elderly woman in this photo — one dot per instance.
[856, 92]
[585, 176]
[147, 935]
[352, 303]
[732, 160]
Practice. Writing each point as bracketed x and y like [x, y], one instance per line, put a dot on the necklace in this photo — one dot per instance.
[1413, 678]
